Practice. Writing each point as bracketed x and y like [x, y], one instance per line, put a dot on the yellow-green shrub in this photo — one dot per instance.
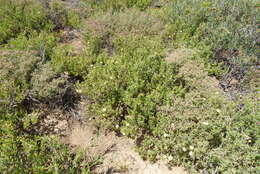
[28, 17]
[21, 17]
[119, 4]
[128, 87]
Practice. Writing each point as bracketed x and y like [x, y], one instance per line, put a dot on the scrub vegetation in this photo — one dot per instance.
[180, 77]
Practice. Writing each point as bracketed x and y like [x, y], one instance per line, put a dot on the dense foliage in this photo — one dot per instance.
[119, 4]
[139, 95]
[228, 29]
[151, 71]
[28, 36]
[20, 145]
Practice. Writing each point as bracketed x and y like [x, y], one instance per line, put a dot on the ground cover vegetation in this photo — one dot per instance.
[29, 33]
[179, 77]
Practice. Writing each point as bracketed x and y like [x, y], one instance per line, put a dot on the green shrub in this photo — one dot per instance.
[74, 20]
[204, 131]
[26, 78]
[128, 87]
[172, 115]
[206, 136]
[64, 61]
[21, 17]
[23, 76]
[28, 17]
[228, 27]
[103, 28]
[172, 110]
[61, 16]
[120, 4]
[16, 67]
[27, 153]
[43, 43]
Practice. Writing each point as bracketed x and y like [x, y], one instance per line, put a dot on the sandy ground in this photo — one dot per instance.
[118, 154]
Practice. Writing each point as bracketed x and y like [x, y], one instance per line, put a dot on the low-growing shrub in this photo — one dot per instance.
[43, 43]
[103, 28]
[27, 80]
[21, 17]
[16, 67]
[128, 87]
[131, 21]
[228, 28]
[23, 76]
[119, 4]
[23, 152]
[64, 61]
[173, 110]
[206, 136]
[28, 17]
[178, 116]
[61, 16]
[204, 131]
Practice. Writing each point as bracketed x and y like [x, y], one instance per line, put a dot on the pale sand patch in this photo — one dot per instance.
[179, 55]
[118, 154]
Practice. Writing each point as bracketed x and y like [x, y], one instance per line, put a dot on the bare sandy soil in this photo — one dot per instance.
[118, 154]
